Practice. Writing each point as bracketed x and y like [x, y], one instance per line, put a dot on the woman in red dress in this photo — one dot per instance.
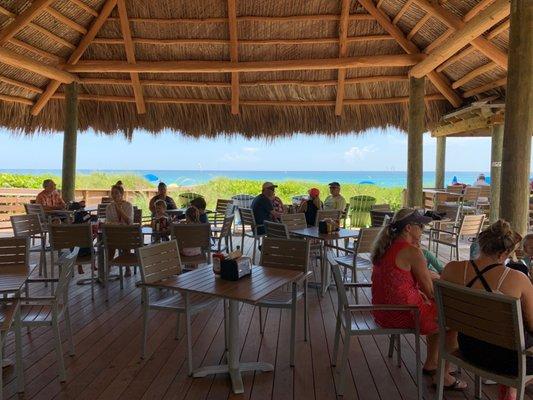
[400, 276]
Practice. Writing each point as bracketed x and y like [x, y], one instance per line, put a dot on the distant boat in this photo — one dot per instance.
[151, 177]
[367, 183]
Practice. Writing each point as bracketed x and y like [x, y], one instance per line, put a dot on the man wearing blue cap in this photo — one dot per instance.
[334, 201]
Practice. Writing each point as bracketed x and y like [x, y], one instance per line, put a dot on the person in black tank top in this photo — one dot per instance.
[310, 207]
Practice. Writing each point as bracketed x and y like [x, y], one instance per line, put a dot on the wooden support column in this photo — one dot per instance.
[514, 197]
[440, 162]
[68, 181]
[495, 171]
[415, 131]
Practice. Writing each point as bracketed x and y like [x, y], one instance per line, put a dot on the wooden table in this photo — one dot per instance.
[325, 241]
[250, 289]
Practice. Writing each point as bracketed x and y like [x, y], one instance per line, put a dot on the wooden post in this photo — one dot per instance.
[440, 164]
[415, 131]
[514, 196]
[495, 171]
[69, 142]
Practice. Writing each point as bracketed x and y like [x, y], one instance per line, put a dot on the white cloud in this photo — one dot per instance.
[245, 154]
[250, 150]
[358, 153]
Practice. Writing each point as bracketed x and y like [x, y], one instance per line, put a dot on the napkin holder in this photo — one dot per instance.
[235, 269]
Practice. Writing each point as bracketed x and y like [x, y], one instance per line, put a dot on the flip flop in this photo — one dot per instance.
[454, 387]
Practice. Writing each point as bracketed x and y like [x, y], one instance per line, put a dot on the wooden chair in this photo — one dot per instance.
[294, 221]
[355, 261]
[471, 196]
[469, 227]
[327, 214]
[66, 236]
[222, 234]
[193, 236]
[454, 189]
[48, 311]
[38, 209]
[222, 209]
[10, 320]
[290, 254]
[379, 217]
[490, 317]
[356, 320]
[101, 211]
[14, 251]
[126, 239]
[106, 200]
[30, 226]
[276, 230]
[344, 215]
[162, 261]
[248, 220]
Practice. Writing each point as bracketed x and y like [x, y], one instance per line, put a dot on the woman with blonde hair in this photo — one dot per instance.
[488, 272]
[400, 277]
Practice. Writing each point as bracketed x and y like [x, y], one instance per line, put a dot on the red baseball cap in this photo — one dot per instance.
[314, 192]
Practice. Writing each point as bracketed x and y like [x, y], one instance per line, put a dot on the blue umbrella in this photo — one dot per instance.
[454, 180]
[151, 177]
[367, 183]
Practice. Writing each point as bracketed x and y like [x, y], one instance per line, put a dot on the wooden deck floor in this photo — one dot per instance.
[107, 362]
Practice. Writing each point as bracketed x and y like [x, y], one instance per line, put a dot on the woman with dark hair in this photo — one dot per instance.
[400, 276]
[488, 272]
[162, 195]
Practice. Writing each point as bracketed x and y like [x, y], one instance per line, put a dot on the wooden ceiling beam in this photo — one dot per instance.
[477, 9]
[130, 56]
[85, 7]
[488, 49]
[22, 20]
[52, 87]
[234, 54]
[474, 74]
[437, 42]
[15, 99]
[396, 60]
[421, 22]
[35, 50]
[484, 88]
[438, 80]
[466, 125]
[402, 11]
[343, 50]
[65, 20]
[17, 60]
[21, 85]
[469, 33]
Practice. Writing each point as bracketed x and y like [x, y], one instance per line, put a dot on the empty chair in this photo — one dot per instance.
[294, 221]
[454, 189]
[194, 243]
[290, 254]
[327, 214]
[38, 209]
[223, 208]
[356, 320]
[30, 226]
[48, 311]
[10, 319]
[360, 207]
[469, 227]
[126, 239]
[378, 218]
[276, 230]
[490, 317]
[14, 251]
[253, 231]
[66, 236]
[222, 235]
[161, 261]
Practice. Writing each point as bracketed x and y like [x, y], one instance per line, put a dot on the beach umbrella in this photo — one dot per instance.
[151, 177]
[367, 183]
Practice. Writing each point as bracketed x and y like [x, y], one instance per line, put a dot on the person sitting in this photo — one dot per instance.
[279, 209]
[400, 276]
[162, 195]
[119, 211]
[262, 207]
[481, 181]
[311, 206]
[50, 198]
[192, 216]
[161, 222]
[200, 204]
[487, 272]
[527, 250]
[335, 201]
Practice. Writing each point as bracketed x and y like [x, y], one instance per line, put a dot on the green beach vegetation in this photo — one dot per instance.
[218, 188]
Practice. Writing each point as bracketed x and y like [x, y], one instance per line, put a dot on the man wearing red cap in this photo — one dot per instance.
[311, 206]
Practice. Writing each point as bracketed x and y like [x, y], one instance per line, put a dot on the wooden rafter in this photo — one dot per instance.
[421, 22]
[130, 56]
[314, 83]
[462, 126]
[484, 88]
[65, 20]
[488, 49]
[343, 50]
[474, 74]
[402, 11]
[438, 80]
[35, 50]
[76, 54]
[15, 99]
[21, 85]
[470, 32]
[477, 9]
[234, 54]
[437, 42]
[22, 20]
[105, 66]
[85, 7]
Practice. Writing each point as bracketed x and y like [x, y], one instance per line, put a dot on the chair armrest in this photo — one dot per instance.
[443, 231]
[382, 307]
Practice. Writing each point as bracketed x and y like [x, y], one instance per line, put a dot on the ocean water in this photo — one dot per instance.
[195, 177]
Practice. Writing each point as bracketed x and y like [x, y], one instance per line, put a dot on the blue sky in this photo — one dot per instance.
[372, 151]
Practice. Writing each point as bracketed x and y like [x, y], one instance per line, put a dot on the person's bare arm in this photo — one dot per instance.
[416, 260]
[527, 300]
[303, 207]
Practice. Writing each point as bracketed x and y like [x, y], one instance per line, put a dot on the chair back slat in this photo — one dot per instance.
[380, 207]
[450, 211]
[159, 261]
[66, 236]
[192, 235]
[101, 210]
[454, 189]
[122, 237]
[276, 230]
[490, 317]
[247, 217]
[471, 194]
[484, 191]
[66, 261]
[471, 225]
[225, 230]
[28, 225]
[106, 200]
[366, 239]
[294, 221]
[342, 297]
[290, 254]
[327, 214]
[14, 251]
[379, 217]
[222, 206]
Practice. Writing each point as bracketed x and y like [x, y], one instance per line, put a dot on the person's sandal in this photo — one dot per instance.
[454, 387]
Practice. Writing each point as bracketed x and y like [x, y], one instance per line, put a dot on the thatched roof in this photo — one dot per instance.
[270, 98]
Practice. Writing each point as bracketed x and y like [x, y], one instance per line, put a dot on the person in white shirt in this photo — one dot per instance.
[334, 201]
[481, 181]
